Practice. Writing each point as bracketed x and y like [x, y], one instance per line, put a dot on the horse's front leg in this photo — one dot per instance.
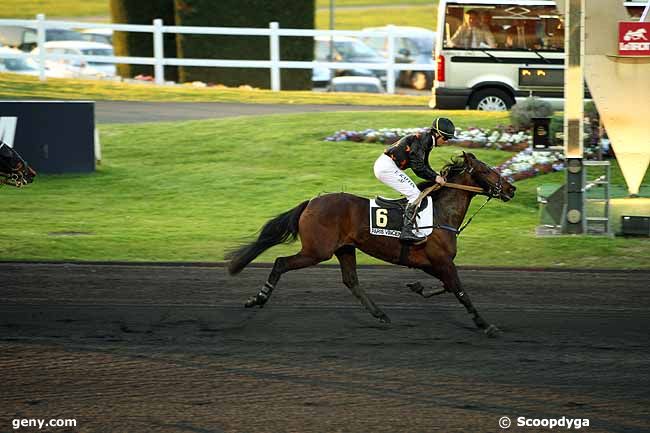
[448, 274]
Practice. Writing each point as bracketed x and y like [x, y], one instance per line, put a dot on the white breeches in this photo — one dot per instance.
[389, 173]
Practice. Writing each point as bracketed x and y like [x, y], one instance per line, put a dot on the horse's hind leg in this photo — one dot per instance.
[348, 260]
[281, 265]
[448, 274]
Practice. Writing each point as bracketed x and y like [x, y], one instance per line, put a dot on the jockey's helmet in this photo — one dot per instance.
[444, 127]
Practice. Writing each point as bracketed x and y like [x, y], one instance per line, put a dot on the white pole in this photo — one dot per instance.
[390, 73]
[40, 40]
[645, 12]
[158, 51]
[274, 40]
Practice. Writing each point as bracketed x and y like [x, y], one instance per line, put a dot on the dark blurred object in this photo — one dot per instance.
[635, 225]
[54, 136]
[541, 133]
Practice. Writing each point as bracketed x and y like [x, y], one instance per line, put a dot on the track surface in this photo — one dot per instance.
[170, 349]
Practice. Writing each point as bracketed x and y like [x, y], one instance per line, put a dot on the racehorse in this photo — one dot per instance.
[13, 168]
[337, 224]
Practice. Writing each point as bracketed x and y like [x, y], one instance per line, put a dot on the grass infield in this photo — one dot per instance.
[14, 86]
[187, 191]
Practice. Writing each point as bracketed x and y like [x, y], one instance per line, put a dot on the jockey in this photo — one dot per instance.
[412, 152]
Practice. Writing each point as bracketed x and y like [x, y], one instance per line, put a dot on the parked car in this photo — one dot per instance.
[79, 67]
[344, 49]
[25, 38]
[416, 47]
[23, 65]
[105, 36]
[356, 84]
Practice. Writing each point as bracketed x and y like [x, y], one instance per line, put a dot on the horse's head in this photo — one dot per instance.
[13, 168]
[494, 185]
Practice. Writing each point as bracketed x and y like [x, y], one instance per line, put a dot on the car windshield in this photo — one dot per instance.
[354, 49]
[419, 44]
[424, 45]
[20, 64]
[97, 52]
[62, 35]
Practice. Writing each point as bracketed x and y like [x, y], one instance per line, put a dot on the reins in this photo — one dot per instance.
[437, 186]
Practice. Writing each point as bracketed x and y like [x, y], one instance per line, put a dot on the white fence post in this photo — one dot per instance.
[390, 73]
[274, 39]
[158, 51]
[40, 40]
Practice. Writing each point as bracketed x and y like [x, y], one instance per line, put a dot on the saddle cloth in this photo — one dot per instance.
[387, 216]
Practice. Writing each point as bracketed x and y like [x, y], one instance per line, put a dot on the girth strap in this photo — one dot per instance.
[404, 253]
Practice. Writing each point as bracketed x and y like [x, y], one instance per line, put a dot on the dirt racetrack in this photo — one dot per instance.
[125, 348]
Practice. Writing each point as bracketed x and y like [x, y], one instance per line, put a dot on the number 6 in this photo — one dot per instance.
[382, 217]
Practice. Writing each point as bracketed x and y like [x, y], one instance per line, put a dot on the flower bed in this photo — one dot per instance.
[528, 164]
[501, 137]
[523, 165]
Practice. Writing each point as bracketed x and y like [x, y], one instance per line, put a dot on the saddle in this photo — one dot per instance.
[398, 203]
[387, 216]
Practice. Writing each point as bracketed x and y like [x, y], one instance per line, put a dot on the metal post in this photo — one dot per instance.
[274, 40]
[158, 51]
[40, 39]
[390, 73]
[331, 58]
[573, 115]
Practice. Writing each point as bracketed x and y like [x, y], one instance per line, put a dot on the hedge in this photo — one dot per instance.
[141, 44]
[245, 13]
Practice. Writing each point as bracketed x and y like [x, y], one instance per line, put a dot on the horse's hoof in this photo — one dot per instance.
[384, 318]
[416, 287]
[492, 331]
[251, 302]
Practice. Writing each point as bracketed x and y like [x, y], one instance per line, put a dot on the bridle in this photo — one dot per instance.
[493, 191]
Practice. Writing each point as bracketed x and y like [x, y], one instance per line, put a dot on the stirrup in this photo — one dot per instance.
[409, 236]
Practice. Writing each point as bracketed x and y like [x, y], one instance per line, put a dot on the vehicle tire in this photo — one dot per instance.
[491, 99]
[419, 80]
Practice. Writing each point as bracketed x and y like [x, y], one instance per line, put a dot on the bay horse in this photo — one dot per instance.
[337, 224]
[13, 168]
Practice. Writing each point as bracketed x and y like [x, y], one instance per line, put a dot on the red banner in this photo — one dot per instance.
[634, 39]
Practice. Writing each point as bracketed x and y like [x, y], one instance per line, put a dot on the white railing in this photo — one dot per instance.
[274, 32]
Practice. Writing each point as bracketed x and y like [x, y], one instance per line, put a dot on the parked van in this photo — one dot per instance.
[489, 54]
[493, 53]
[25, 37]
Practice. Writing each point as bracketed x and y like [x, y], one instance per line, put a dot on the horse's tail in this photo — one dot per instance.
[281, 229]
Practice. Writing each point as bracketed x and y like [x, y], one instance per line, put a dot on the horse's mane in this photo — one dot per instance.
[450, 170]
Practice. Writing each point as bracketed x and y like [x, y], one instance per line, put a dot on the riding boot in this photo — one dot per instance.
[407, 229]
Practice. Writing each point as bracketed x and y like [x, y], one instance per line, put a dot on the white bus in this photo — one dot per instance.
[492, 53]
